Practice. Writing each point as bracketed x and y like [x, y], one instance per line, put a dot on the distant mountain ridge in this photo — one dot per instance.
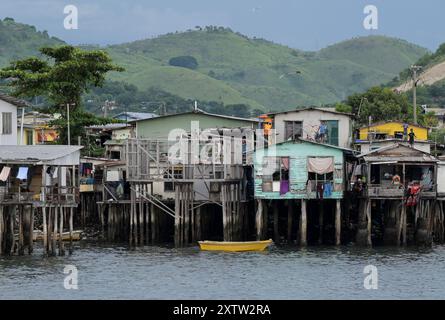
[235, 69]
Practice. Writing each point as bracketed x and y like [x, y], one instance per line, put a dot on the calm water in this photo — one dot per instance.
[113, 272]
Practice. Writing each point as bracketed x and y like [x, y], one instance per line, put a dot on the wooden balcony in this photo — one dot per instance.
[393, 192]
[63, 196]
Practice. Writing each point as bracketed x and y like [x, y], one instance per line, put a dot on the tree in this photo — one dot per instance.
[188, 62]
[62, 77]
[381, 104]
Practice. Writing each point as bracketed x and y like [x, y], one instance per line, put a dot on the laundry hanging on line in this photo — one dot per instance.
[4, 175]
[23, 173]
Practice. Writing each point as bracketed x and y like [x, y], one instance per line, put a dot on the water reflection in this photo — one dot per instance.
[113, 272]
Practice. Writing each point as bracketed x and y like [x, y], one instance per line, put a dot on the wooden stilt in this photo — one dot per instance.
[1, 230]
[21, 231]
[31, 230]
[259, 220]
[71, 230]
[303, 224]
[224, 212]
[132, 209]
[404, 225]
[275, 224]
[45, 231]
[320, 222]
[290, 211]
[61, 244]
[177, 216]
[198, 224]
[338, 223]
[369, 220]
[187, 214]
[56, 228]
[12, 214]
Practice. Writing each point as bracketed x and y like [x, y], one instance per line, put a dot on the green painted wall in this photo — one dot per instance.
[160, 127]
[298, 175]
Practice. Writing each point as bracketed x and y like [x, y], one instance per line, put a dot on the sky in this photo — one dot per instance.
[300, 24]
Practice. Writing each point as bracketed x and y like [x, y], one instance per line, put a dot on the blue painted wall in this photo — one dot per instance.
[298, 153]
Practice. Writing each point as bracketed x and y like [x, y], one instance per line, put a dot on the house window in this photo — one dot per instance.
[293, 130]
[332, 130]
[276, 174]
[169, 186]
[6, 122]
[115, 155]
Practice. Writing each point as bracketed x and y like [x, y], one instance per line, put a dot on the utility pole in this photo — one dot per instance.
[68, 122]
[414, 70]
[106, 109]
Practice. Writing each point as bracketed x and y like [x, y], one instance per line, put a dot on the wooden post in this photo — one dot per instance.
[56, 228]
[154, 223]
[198, 224]
[61, 244]
[338, 223]
[71, 230]
[31, 230]
[259, 220]
[12, 214]
[50, 231]
[404, 225]
[186, 215]
[303, 223]
[177, 216]
[320, 222]
[21, 231]
[276, 230]
[224, 212]
[369, 217]
[132, 205]
[289, 220]
[1, 230]
[45, 230]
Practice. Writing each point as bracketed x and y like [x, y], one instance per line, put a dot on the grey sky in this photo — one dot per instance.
[302, 24]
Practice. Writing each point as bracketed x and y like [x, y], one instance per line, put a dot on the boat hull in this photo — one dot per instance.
[234, 246]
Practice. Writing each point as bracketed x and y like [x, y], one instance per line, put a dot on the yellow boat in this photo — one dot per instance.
[234, 246]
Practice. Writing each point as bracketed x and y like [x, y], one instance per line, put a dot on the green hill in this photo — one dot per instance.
[228, 68]
[19, 40]
[262, 71]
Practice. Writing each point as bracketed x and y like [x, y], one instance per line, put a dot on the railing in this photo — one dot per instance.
[48, 195]
[392, 191]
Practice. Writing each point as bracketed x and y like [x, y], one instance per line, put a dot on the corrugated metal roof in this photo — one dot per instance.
[14, 101]
[199, 111]
[109, 126]
[135, 116]
[328, 110]
[379, 154]
[35, 153]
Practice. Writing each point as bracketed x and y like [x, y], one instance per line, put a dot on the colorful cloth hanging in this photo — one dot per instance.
[23, 173]
[327, 190]
[320, 165]
[284, 187]
[4, 175]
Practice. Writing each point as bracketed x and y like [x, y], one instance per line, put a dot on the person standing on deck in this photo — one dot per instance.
[412, 137]
[322, 130]
[405, 131]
